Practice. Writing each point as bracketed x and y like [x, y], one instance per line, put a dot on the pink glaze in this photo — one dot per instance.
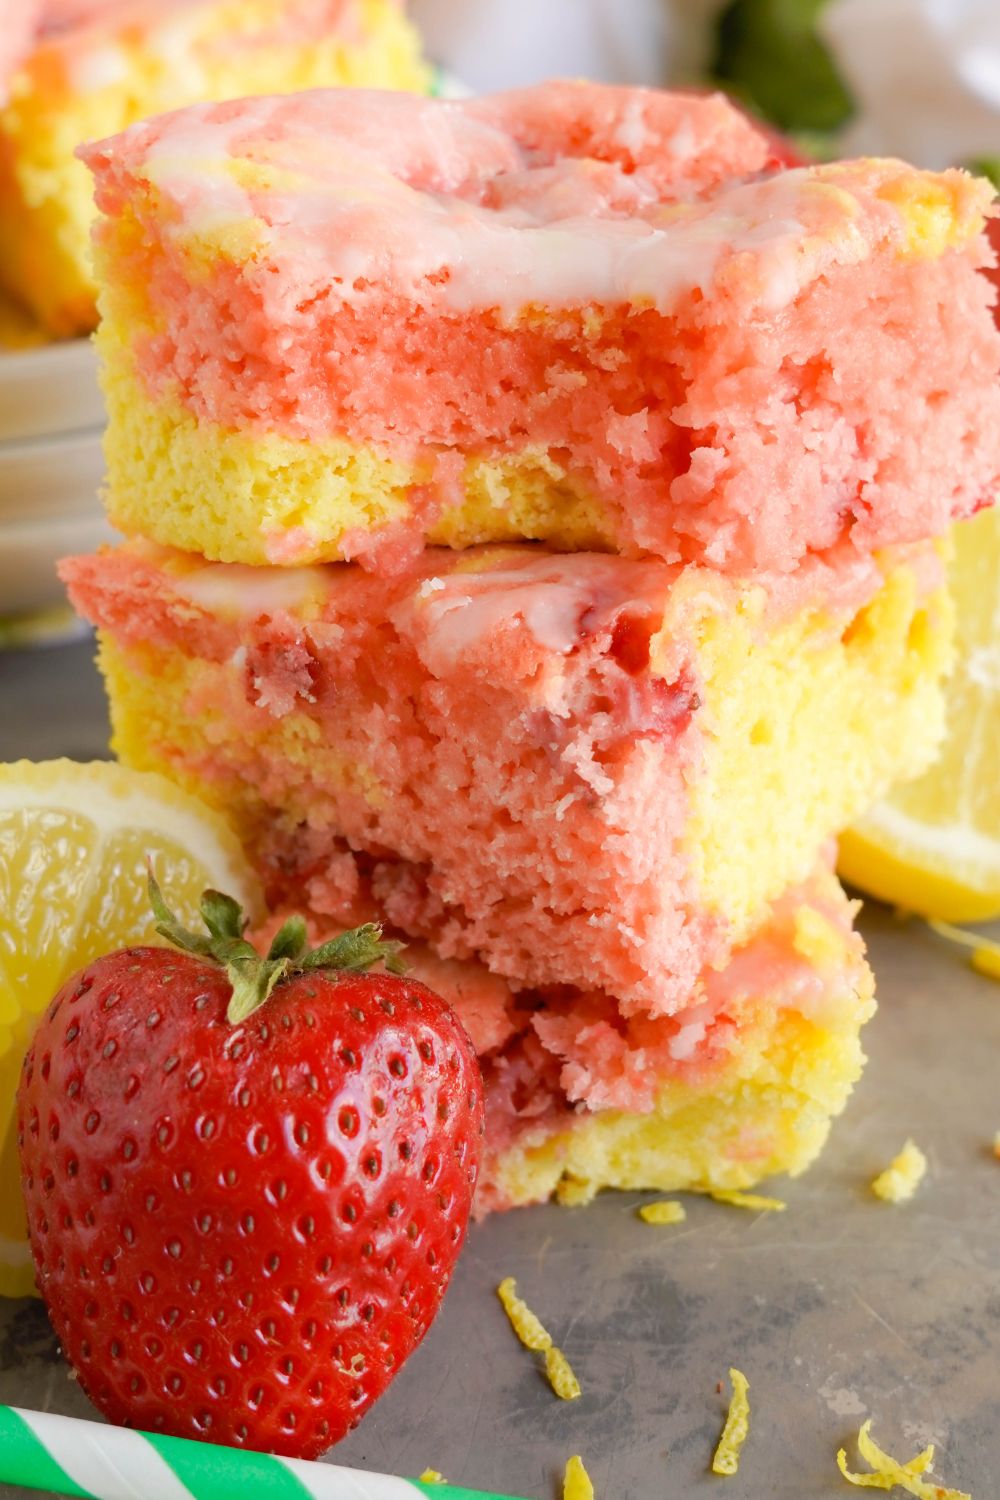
[771, 371]
[547, 1055]
[530, 766]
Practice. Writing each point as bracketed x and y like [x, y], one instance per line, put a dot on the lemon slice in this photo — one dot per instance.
[933, 846]
[74, 841]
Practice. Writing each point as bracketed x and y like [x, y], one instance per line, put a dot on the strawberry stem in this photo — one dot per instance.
[254, 977]
[253, 980]
[290, 941]
[355, 951]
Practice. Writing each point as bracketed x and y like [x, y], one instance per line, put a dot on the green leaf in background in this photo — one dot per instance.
[770, 54]
[985, 166]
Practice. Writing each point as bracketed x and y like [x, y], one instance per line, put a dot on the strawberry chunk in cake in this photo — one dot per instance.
[584, 770]
[347, 325]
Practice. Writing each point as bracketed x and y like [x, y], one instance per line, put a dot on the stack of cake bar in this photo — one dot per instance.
[535, 510]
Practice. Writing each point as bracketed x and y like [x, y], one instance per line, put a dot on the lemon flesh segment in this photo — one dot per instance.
[74, 845]
[933, 846]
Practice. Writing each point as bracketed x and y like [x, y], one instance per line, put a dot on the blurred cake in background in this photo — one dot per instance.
[18, 22]
[97, 67]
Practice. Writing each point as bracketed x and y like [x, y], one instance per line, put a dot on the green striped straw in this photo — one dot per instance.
[64, 1456]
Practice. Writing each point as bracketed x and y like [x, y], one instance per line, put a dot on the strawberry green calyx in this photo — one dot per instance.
[254, 977]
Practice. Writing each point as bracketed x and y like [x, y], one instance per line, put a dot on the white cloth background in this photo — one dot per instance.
[925, 74]
[491, 44]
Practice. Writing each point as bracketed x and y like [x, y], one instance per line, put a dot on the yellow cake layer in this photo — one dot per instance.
[769, 1112]
[803, 725]
[238, 496]
[207, 52]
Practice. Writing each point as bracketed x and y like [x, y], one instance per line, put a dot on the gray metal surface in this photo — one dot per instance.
[839, 1308]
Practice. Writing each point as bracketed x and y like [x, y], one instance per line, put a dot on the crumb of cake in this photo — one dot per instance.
[734, 1434]
[758, 1202]
[576, 1192]
[576, 1484]
[432, 1476]
[996, 1145]
[533, 1336]
[888, 1473]
[984, 955]
[902, 1176]
[666, 1211]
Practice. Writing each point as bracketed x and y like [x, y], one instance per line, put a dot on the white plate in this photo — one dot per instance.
[29, 553]
[51, 478]
[50, 390]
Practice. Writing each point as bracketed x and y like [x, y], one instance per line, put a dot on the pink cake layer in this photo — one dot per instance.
[555, 1059]
[735, 365]
[523, 754]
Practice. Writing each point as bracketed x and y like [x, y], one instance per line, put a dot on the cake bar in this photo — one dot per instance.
[583, 770]
[344, 326]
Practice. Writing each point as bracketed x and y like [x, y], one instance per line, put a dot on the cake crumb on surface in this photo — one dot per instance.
[432, 1476]
[575, 1192]
[996, 1145]
[902, 1176]
[576, 1484]
[734, 1434]
[534, 1336]
[888, 1473]
[756, 1201]
[665, 1211]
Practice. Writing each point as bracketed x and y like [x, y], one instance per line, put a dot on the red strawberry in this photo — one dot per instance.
[785, 153]
[247, 1186]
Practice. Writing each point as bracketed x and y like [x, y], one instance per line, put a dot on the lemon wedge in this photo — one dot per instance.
[933, 846]
[74, 842]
